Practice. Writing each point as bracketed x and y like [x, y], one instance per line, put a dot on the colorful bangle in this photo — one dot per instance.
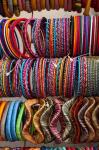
[3, 121]
[19, 123]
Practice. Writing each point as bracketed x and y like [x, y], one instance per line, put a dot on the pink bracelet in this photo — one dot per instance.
[26, 38]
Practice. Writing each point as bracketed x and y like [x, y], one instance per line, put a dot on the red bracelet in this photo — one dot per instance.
[26, 38]
[7, 38]
[18, 51]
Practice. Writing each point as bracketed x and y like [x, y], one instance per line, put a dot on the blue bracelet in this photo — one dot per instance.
[55, 36]
[21, 77]
[8, 122]
[13, 120]
[47, 38]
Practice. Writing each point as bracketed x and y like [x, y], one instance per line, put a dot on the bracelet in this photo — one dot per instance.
[20, 5]
[3, 44]
[19, 122]
[61, 3]
[2, 109]
[43, 3]
[33, 4]
[28, 6]
[12, 33]
[26, 38]
[51, 39]
[1, 8]
[87, 118]
[28, 105]
[3, 121]
[16, 8]
[48, 5]
[39, 137]
[23, 5]
[56, 4]
[77, 125]
[95, 121]
[65, 5]
[70, 5]
[57, 117]
[38, 5]
[8, 122]
[68, 130]
[10, 5]
[6, 9]
[44, 120]
[13, 120]
[52, 4]
[8, 40]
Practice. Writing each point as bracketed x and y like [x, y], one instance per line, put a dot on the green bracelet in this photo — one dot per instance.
[19, 123]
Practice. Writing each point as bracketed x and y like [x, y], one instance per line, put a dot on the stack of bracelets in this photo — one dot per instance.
[54, 148]
[51, 119]
[53, 63]
[43, 77]
[32, 38]
[8, 7]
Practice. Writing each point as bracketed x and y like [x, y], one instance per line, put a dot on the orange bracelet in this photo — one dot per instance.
[61, 3]
[52, 4]
[33, 4]
[7, 34]
[2, 107]
[75, 36]
[39, 137]
[43, 4]
[25, 132]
